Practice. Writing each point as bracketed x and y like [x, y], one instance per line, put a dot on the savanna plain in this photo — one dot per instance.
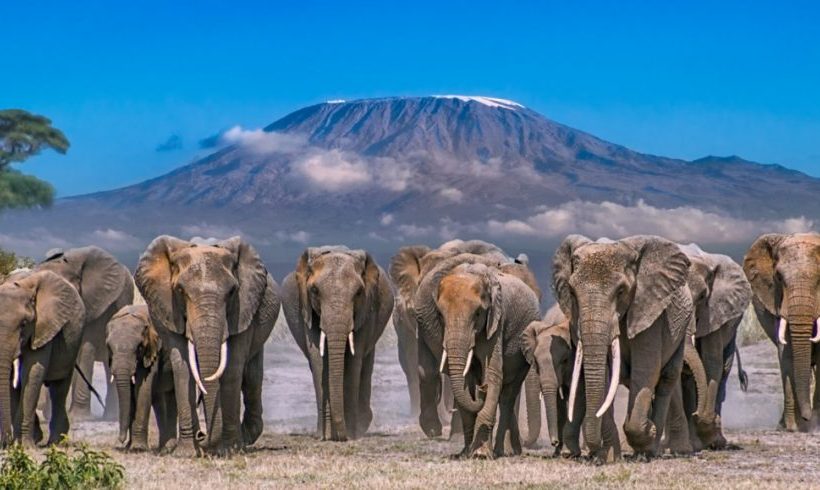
[396, 454]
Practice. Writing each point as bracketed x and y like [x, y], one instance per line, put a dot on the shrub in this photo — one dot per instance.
[62, 468]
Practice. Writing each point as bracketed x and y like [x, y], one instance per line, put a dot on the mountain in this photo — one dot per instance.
[383, 172]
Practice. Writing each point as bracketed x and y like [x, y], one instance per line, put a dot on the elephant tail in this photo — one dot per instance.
[90, 386]
[741, 374]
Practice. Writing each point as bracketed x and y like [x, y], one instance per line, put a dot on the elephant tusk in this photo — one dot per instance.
[816, 337]
[15, 376]
[195, 367]
[223, 361]
[467, 364]
[322, 344]
[111, 379]
[133, 379]
[560, 392]
[576, 374]
[781, 331]
[350, 343]
[443, 360]
[693, 341]
[616, 377]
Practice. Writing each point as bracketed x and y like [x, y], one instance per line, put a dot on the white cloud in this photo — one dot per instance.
[220, 232]
[115, 240]
[451, 194]
[333, 171]
[615, 220]
[264, 142]
[300, 236]
[386, 219]
[412, 231]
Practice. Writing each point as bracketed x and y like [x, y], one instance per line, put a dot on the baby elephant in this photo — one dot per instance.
[547, 347]
[141, 378]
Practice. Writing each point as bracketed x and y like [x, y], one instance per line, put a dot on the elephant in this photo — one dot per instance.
[143, 377]
[548, 348]
[105, 286]
[630, 309]
[214, 306]
[470, 316]
[407, 269]
[337, 303]
[41, 322]
[721, 294]
[784, 272]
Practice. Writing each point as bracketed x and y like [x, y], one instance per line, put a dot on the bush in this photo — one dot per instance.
[62, 468]
[10, 261]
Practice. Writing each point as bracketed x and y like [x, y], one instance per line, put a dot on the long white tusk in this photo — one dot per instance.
[561, 392]
[616, 378]
[322, 344]
[469, 361]
[781, 331]
[576, 374]
[443, 360]
[15, 375]
[133, 379]
[350, 343]
[694, 344]
[223, 361]
[816, 337]
[195, 367]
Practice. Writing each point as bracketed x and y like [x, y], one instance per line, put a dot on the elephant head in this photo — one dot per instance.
[34, 308]
[95, 273]
[462, 298]
[784, 272]
[338, 294]
[548, 348]
[133, 347]
[206, 292]
[601, 286]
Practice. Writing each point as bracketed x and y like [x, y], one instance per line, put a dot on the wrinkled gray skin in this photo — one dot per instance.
[202, 295]
[784, 271]
[105, 286]
[143, 377]
[634, 290]
[721, 294]
[41, 321]
[430, 395]
[338, 291]
[467, 304]
[548, 347]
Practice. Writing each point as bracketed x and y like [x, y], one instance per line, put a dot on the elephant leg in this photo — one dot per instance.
[408, 359]
[111, 401]
[352, 385]
[80, 394]
[508, 439]
[787, 420]
[429, 391]
[571, 434]
[365, 413]
[59, 424]
[230, 388]
[142, 412]
[641, 432]
[467, 428]
[167, 424]
[446, 408]
[677, 424]
[609, 433]
[668, 382]
[185, 397]
[690, 405]
[32, 382]
[815, 420]
[252, 424]
[712, 350]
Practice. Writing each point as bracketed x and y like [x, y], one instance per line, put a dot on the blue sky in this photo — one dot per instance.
[680, 79]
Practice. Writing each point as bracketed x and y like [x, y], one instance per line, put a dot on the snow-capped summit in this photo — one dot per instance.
[488, 101]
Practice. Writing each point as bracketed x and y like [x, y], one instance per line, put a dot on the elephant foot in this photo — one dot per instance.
[571, 454]
[641, 457]
[186, 448]
[482, 452]
[463, 454]
[37, 434]
[80, 414]
[431, 428]
[251, 432]
[139, 447]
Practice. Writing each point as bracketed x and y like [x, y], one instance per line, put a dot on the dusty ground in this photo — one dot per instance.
[395, 454]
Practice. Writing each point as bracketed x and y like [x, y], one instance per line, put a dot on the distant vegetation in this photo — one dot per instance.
[10, 261]
[63, 467]
[23, 135]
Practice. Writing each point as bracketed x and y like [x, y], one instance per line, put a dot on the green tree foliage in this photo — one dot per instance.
[62, 468]
[23, 135]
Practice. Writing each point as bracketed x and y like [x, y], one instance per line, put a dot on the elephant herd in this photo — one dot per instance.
[645, 313]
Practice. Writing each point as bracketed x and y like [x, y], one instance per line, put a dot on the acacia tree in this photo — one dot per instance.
[23, 135]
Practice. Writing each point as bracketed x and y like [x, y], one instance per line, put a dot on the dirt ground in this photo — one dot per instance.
[396, 454]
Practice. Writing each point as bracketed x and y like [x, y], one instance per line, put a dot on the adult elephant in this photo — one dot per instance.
[214, 305]
[432, 400]
[337, 303]
[41, 321]
[469, 310]
[721, 294]
[105, 286]
[629, 308]
[784, 271]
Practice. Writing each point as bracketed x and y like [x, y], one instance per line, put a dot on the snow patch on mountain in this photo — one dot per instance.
[488, 101]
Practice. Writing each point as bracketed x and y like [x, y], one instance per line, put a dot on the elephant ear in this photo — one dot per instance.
[371, 277]
[102, 279]
[252, 277]
[496, 309]
[153, 279]
[661, 270]
[731, 292]
[759, 265]
[405, 272]
[529, 341]
[151, 344]
[58, 307]
[562, 271]
[302, 273]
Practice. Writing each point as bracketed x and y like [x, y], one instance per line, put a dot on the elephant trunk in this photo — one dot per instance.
[595, 335]
[801, 311]
[122, 382]
[459, 353]
[206, 360]
[532, 388]
[705, 412]
[5, 403]
[549, 391]
[336, 345]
